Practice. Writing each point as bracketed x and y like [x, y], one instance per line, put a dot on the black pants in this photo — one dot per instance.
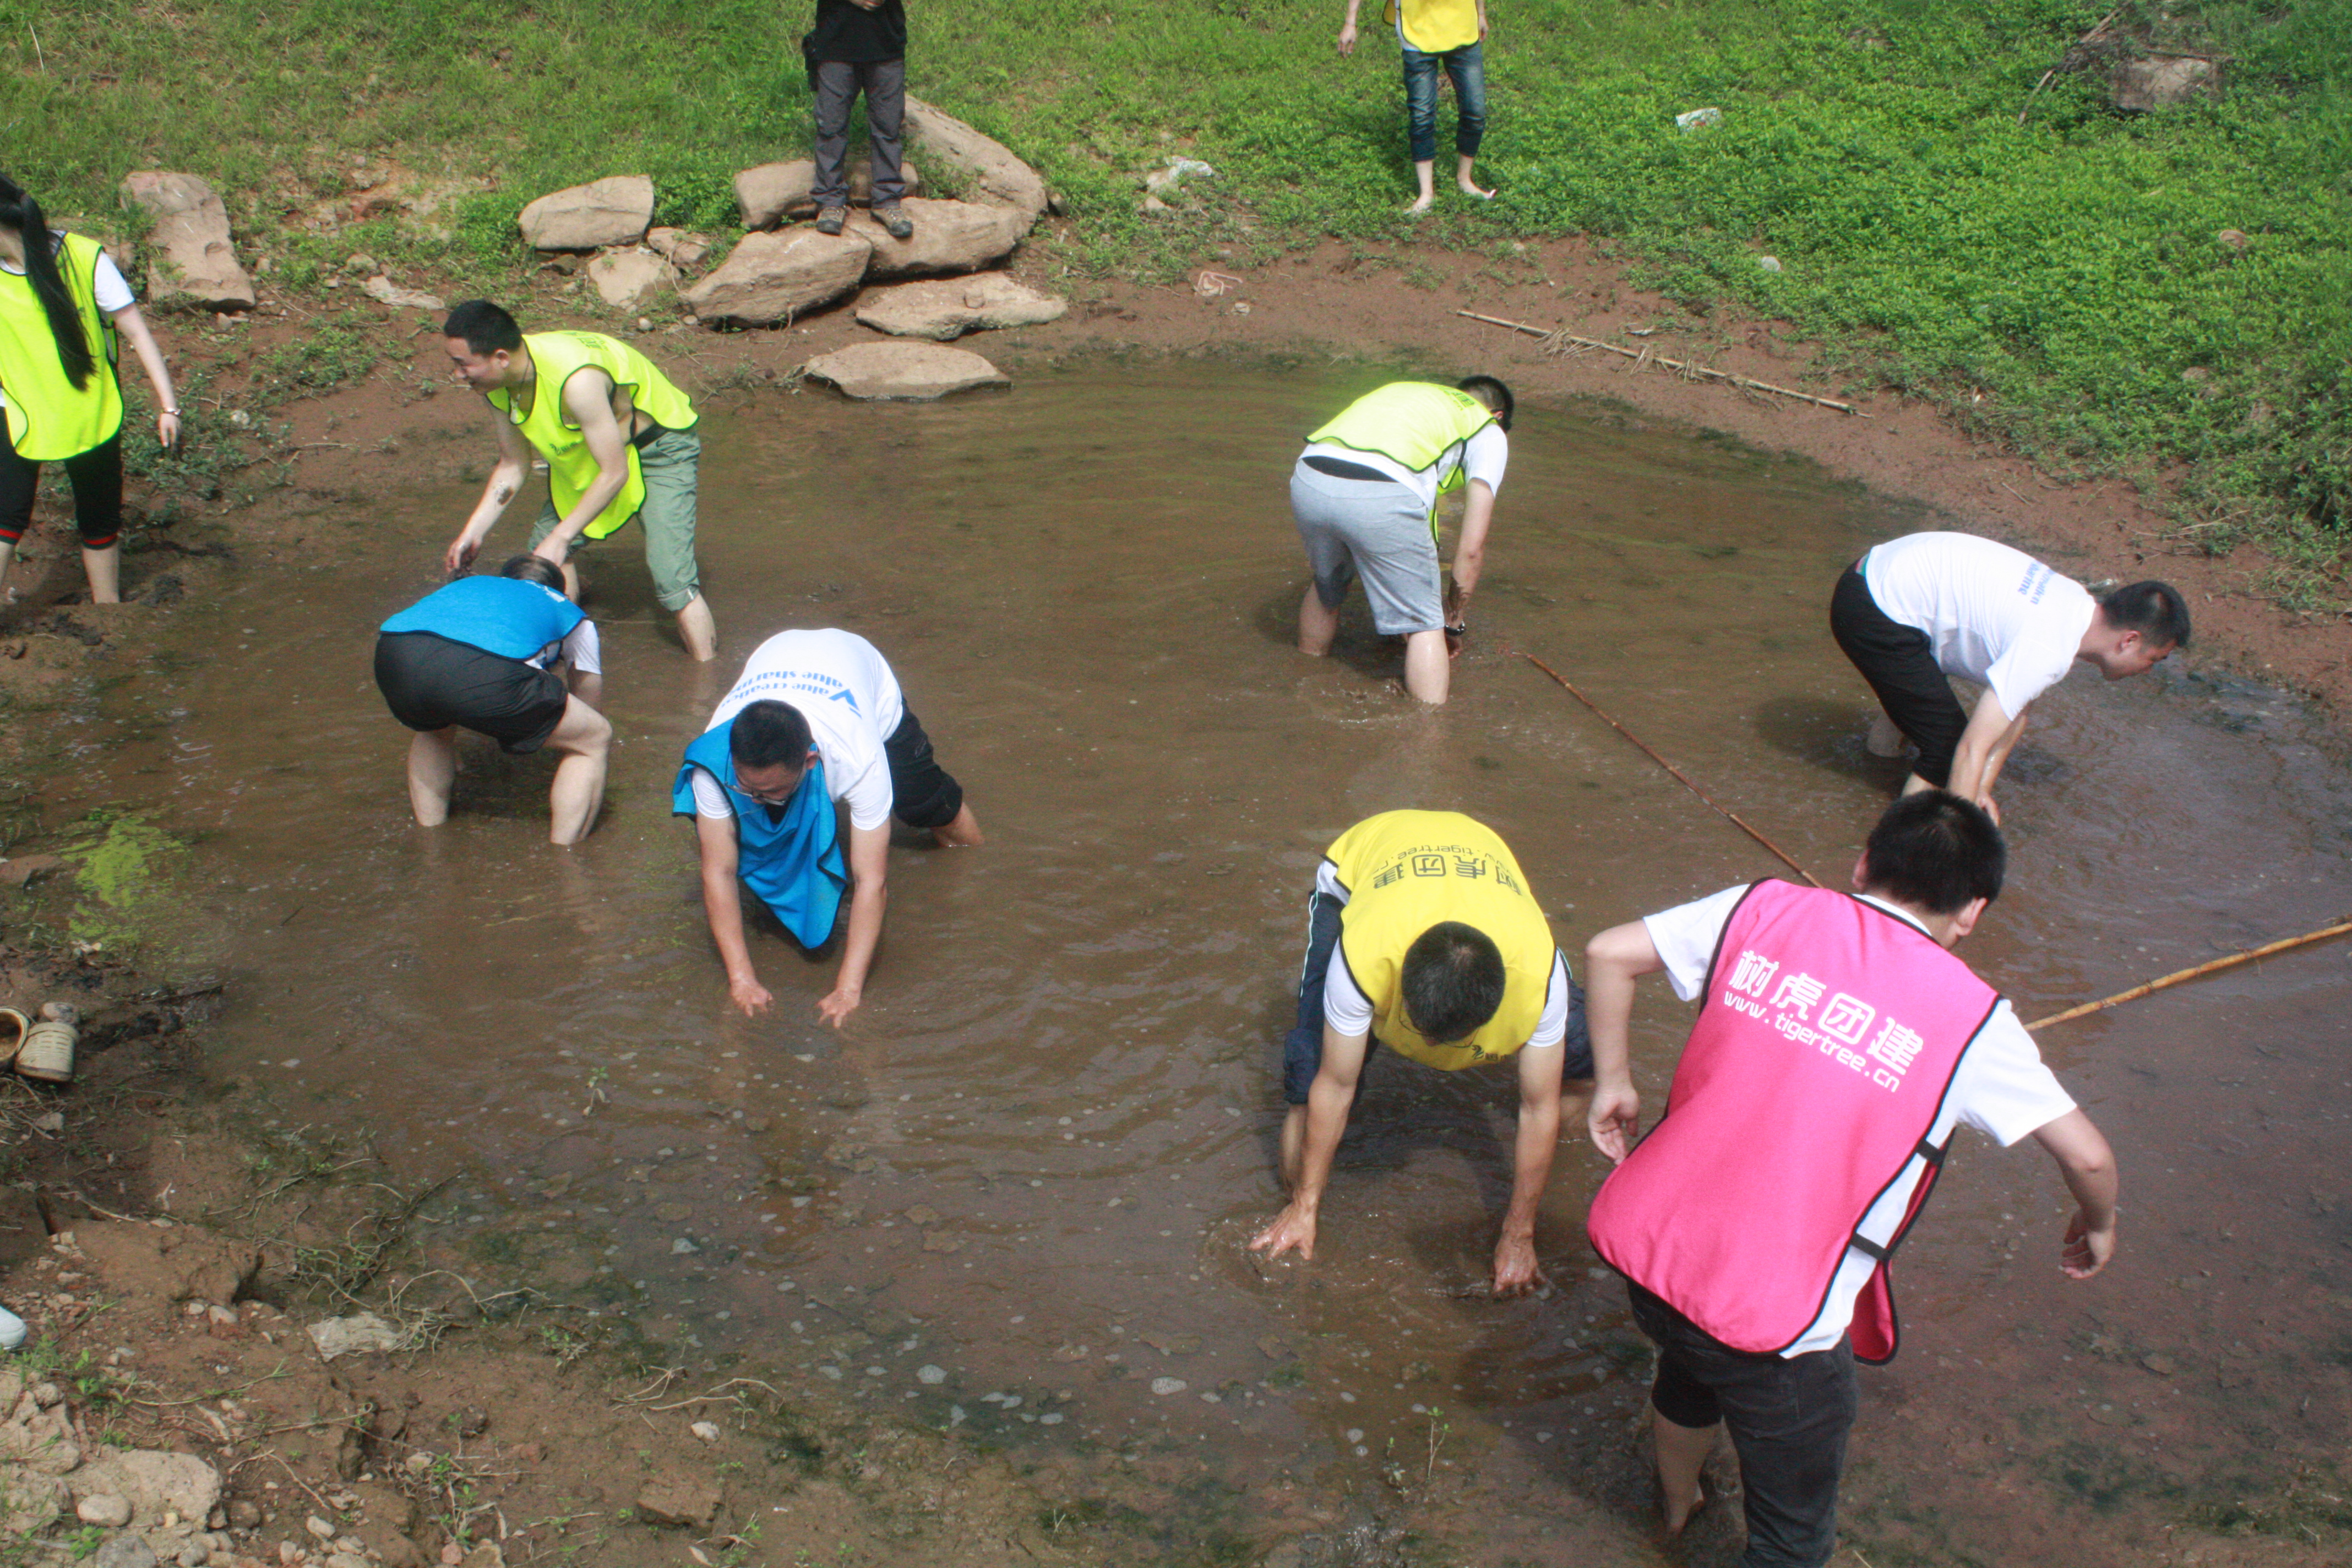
[1899, 662]
[97, 479]
[922, 792]
[838, 82]
[1788, 1415]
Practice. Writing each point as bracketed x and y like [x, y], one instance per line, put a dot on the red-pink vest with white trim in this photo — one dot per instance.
[1827, 1038]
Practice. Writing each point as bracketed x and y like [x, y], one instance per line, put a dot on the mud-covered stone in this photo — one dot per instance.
[946, 308]
[2151, 82]
[611, 211]
[155, 1483]
[770, 278]
[626, 279]
[177, 1264]
[673, 1497]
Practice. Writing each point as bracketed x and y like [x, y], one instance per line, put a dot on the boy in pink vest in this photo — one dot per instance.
[1838, 1046]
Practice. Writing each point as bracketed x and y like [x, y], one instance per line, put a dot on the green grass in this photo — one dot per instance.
[2049, 284]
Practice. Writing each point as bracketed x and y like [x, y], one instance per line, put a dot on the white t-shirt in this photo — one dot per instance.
[842, 687]
[2002, 1089]
[1996, 615]
[107, 288]
[1349, 1010]
[1482, 456]
[580, 648]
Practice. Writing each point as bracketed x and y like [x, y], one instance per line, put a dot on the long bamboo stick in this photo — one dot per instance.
[2181, 976]
[1646, 357]
[1680, 777]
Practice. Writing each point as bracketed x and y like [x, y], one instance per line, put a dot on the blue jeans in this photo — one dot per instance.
[1467, 67]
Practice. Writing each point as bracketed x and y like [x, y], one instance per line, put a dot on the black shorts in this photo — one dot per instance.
[922, 792]
[431, 683]
[1899, 662]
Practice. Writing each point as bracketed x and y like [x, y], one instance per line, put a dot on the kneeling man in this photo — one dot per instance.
[1839, 1045]
[1444, 952]
[816, 718]
[474, 655]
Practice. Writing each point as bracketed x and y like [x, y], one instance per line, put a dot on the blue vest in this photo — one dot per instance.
[793, 863]
[505, 616]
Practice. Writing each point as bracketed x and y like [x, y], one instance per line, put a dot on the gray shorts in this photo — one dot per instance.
[1372, 528]
[669, 463]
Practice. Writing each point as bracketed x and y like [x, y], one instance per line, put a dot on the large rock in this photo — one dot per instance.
[612, 211]
[2160, 81]
[154, 1482]
[873, 371]
[995, 175]
[194, 261]
[771, 193]
[626, 279]
[950, 236]
[945, 308]
[772, 278]
[178, 1264]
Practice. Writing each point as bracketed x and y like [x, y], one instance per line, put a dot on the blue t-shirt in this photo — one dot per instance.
[505, 616]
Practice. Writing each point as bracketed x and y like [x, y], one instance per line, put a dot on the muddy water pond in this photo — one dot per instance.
[1011, 1197]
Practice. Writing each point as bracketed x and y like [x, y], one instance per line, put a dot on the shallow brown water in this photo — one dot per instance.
[1031, 1159]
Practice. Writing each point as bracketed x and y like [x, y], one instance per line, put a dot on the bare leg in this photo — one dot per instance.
[1425, 172]
[1466, 184]
[104, 568]
[7, 558]
[1681, 1453]
[432, 769]
[961, 833]
[1885, 740]
[1294, 1145]
[1428, 672]
[698, 630]
[584, 738]
[1317, 624]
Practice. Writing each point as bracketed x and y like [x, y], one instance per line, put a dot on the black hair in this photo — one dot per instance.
[2155, 610]
[1453, 981]
[1491, 391]
[767, 733]
[487, 328]
[536, 569]
[20, 212]
[1935, 851]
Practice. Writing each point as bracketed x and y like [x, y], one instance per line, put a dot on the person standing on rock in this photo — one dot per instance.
[63, 305]
[1432, 34]
[1446, 954]
[1364, 495]
[1918, 609]
[816, 720]
[1838, 1047]
[619, 440]
[476, 654]
[859, 45]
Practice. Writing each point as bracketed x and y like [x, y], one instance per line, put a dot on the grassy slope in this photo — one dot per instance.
[2050, 282]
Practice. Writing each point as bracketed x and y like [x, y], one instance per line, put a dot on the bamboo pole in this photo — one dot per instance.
[1680, 777]
[1645, 356]
[2181, 976]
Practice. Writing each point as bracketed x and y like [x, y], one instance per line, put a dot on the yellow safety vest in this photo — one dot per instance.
[571, 466]
[1406, 871]
[1433, 27]
[49, 417]
[1415, 423]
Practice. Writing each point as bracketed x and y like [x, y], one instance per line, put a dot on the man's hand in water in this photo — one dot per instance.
[749, 995]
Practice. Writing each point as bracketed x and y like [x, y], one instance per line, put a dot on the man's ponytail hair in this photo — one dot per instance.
[1935, 851]
[2155, 610]
[1453, 981]
[766, 733]
[20, 212]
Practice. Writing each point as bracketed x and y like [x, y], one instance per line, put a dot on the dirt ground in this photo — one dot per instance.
[171, 1258]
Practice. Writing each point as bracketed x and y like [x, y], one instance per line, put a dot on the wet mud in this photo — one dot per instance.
[1010, 1200]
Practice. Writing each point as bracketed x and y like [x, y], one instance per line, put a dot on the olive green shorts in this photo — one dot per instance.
[669, 462]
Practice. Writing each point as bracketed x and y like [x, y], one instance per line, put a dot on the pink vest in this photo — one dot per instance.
[1826, 1041]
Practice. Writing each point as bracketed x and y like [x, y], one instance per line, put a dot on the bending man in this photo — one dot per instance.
[1839, 1045]
[618, 436]
[816, 719]
[1364, 495]
[1447, 955]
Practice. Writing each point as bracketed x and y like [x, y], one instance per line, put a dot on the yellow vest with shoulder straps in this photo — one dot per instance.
[49, 417]
[1406, 871]
[571, 466]
[1415, 423]
[1433, 27]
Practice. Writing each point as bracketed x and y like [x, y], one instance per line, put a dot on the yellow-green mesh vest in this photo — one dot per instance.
[1406, 871]
[1433, 27]
[571, 466]
[49, 417]
[1415, 423]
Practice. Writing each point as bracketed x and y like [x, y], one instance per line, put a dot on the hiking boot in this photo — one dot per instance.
[829, 220]
[895, 221]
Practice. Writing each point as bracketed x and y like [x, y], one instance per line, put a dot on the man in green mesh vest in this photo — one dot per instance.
[1364, 494]
[618, 436]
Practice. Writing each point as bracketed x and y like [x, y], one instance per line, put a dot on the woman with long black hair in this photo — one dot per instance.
[63, 302]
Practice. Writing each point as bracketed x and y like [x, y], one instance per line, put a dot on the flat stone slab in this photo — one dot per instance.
[774, 277]
[946, 308]
[611, 211]
[195, 262]
[949, 238]
[908, 370]
[770, 193]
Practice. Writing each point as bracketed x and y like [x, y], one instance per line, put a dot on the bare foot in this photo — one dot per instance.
[1469, 188]
[1419, 207]
[1674, 1521]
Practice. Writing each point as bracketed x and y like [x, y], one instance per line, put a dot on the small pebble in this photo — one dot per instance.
[320, 1528]
[104, 1508]
[930, 1374]
[1164, 1385]
[706, 1430]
